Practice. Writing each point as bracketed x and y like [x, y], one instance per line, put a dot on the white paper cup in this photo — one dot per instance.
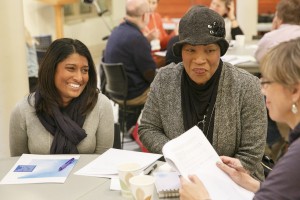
[127, 171]
[142, 187]
[240, 40]
[155, 44]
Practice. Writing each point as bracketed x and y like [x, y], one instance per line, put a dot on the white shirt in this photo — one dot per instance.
[285, 32]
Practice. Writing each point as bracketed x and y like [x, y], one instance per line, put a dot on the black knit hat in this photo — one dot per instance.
[201, 26]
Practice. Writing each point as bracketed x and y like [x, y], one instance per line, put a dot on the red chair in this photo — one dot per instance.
[135, 134]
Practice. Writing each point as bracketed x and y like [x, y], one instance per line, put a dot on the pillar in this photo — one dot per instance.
[247, 16]
[13, 70]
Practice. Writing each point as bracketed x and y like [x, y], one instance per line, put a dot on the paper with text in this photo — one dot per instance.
[31, 168]
[106, 164]
[191, 153]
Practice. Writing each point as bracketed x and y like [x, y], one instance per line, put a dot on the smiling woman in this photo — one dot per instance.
[66, 114]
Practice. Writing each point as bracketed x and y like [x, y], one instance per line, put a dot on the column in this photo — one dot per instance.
[247, 15]
[13, 70]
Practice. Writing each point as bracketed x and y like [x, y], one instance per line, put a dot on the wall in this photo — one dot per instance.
[13, 70]
[178, 8]
[39, 18]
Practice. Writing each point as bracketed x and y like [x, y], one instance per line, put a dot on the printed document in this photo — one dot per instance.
[191, 153]
[106, 164]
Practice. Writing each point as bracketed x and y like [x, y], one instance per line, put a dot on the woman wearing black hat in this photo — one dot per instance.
[281, 86]
[224, 101]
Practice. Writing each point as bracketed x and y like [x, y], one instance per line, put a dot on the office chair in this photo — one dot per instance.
[44, 42]
[117, 86]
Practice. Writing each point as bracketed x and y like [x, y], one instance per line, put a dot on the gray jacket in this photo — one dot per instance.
[240, 123]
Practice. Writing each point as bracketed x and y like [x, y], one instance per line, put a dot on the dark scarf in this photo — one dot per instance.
[199, 100]
[295, 134]
[65, 125]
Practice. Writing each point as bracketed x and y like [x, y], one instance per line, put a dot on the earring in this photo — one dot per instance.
[294, 108]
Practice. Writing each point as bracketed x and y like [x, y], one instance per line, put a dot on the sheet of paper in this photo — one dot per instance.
[193, 154]
[161, 53]
[106, 164]
[31, 168]
[235, 59]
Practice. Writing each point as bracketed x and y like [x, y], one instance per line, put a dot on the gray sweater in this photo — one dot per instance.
[240, 123]
[28, 135]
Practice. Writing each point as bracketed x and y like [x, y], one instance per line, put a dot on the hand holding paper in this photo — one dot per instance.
[191, 153]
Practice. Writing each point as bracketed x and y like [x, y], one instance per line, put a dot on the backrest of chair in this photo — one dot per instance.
[44, 41]
[116, 79]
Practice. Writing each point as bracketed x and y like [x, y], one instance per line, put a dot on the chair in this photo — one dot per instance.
[117, 86]
[44, 42]
[117, 137]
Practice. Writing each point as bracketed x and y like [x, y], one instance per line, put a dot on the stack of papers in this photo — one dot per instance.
[31, 168]
[106, 164]
[235, 59]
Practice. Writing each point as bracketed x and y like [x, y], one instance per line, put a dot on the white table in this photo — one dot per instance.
[247, 50]
[76, 187]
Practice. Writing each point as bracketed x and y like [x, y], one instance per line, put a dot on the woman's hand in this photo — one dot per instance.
[238, 174]
[231, 15]
[276, 22]
[193, 189]
[231, 10]
[151, 34]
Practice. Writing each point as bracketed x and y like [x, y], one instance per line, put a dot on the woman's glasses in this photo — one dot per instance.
[264, 83]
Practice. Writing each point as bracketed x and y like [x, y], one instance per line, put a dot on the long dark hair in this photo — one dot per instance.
[58, 51]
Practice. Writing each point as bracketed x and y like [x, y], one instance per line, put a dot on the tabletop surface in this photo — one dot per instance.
[75, 187]
[247, 50]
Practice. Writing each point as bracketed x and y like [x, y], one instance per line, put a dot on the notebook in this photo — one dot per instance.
[167, 184]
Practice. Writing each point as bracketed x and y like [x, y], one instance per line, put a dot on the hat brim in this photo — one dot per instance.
[177, 47]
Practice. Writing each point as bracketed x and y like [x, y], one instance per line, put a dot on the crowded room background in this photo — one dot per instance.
[40, 18]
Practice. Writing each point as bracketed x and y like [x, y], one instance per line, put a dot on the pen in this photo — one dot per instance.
[151, 169]
[66, 164]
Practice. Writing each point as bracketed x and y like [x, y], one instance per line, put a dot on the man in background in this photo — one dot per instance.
[129, 46]
[286, 26]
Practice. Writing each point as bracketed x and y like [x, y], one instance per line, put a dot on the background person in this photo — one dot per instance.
[223, 100]
[226, 9]
[281, 86]
[155, 29]
[66, 114]
[286, 26]
[129, 46]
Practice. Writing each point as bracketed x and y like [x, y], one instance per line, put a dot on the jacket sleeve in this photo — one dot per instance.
[236, 31]
[151, 131]
[253, 129]
[18, 140]
[283, 181]
[105, 131]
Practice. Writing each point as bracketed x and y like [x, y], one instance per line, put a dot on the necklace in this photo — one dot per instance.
[203, 121]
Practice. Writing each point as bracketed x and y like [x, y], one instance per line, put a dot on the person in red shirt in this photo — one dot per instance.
[154, 30]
